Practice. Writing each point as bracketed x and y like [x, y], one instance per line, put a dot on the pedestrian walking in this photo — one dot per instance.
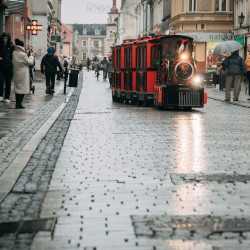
[104, 66]
[49, 65]
[95, 61]
[235, 67]
[6, 66]
[21, 64]
[110, 72]
[247, 62]
[65, 64]
[88, 64]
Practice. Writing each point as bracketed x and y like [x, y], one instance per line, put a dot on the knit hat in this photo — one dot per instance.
[19, 42]
[50, 50]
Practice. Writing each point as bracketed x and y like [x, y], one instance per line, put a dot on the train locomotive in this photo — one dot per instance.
[157, 70]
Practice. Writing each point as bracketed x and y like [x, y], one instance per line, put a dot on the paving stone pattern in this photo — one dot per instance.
[24, 201]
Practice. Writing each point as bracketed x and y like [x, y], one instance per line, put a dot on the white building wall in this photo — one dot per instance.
[127, 21]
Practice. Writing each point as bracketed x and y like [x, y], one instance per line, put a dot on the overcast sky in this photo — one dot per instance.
[86, 11]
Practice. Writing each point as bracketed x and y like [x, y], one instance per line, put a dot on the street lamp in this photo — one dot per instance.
[241, 19]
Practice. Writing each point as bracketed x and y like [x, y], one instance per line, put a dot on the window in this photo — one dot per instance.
[96, 44]
[84, 43]
[97, 32]
[220, 5]
[84, 31]
[192, 5]
[84, 56]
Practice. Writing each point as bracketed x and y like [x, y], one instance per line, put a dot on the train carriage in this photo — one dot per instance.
[157, 70]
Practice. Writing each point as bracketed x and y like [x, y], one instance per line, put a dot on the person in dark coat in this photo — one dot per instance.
[49, 65]
[104, 65]
[235, 66]
[6, 66]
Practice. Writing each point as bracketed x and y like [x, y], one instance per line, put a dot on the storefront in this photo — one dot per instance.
[204, 44]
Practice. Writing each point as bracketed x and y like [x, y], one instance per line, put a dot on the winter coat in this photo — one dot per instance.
[234, 65]
[49, 64]
[21, 63]
[6, 52]
[247, 62]
[104, 64]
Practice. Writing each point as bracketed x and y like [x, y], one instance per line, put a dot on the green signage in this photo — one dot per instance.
[55, 38]
[240, 39]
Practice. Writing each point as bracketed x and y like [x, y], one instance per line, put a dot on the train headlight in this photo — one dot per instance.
[197, 80]
[184, 70]
[184, 57]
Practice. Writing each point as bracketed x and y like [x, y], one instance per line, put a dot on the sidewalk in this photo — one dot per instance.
[219, 95]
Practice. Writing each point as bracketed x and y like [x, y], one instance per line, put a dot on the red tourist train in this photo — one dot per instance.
[157, 70]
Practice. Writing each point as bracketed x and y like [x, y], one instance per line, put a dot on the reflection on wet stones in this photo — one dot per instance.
[186, 227]
[220, 178]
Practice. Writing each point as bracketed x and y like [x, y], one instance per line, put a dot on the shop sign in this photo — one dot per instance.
[240, 39]
[208, 36]
[56, 38]
[34, 27]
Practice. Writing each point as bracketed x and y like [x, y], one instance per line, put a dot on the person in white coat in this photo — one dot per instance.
[21, 63]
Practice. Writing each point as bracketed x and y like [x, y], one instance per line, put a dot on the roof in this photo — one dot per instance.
[90, 29]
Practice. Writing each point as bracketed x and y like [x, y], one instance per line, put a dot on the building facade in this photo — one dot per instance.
[112, 24]
[241, 27]
[208, 22]
[91, 41]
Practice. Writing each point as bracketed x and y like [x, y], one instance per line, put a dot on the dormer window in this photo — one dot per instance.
[84, 32]
[97, 32]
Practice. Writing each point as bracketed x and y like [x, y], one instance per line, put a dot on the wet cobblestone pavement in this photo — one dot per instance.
[116, 176]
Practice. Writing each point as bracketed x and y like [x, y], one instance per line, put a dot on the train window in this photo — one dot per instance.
[118, 58]
[138, 57]
[128, 59]
[154, 56]
[144, 61]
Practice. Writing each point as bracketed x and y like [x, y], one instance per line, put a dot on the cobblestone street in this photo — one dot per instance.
[98, 175]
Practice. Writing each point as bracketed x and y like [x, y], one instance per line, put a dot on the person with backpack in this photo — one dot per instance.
[49, 65]
[235, 67]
